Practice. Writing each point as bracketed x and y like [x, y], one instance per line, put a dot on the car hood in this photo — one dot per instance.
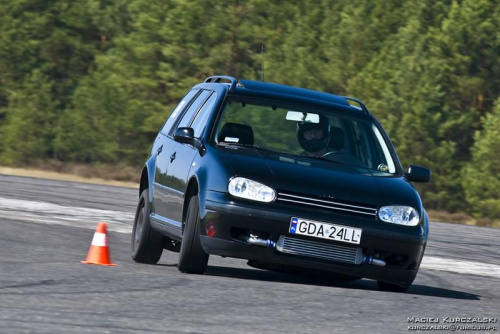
[332, 181]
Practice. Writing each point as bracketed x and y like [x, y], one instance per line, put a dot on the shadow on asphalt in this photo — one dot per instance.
[424, 290]
[330, 281]
[166, 264]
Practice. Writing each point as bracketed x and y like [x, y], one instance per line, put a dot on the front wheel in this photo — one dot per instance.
[192, 257]
[147, 244]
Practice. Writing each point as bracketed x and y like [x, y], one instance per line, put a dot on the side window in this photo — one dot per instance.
[173, 116]
[200, 120]
[192, 110]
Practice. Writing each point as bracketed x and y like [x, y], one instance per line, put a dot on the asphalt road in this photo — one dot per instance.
[46, 228]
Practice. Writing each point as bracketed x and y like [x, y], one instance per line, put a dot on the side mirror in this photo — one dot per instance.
[418, 174]
[185, 136]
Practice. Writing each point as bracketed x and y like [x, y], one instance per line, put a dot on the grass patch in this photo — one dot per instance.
[461, 218]
[116, 175]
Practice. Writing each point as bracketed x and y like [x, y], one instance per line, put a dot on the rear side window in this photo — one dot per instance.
[192, 110]
[199, 123]
[178, 110]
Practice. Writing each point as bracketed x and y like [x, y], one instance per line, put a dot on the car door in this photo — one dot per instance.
[166, 193]
[183, 156]
[163, 148]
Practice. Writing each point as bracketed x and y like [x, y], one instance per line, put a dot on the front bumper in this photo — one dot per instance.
[400, 246]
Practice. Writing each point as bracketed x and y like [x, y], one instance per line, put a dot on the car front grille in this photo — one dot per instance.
[362, 210]
[319, 250]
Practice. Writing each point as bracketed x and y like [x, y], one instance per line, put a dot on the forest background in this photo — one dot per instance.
[92, 81]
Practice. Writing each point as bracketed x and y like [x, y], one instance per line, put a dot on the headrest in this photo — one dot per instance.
[236, 133]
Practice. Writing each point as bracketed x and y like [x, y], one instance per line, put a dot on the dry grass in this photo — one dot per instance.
[124, 176]
[461, 218]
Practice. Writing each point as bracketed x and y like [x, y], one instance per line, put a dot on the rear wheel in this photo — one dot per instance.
[147, 244]
[192, 257]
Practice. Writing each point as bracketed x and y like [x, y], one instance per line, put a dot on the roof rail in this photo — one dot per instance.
[361, 105]
[219, 78]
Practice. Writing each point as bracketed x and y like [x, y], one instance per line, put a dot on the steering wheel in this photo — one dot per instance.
[331, 153]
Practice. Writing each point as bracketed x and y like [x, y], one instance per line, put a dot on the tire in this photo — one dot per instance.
[147, 244]
[192, 257]
[384, 286]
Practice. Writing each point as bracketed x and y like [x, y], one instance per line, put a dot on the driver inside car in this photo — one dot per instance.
[314, 137]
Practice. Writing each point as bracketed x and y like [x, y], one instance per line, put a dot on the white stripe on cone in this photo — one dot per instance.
[100, 239]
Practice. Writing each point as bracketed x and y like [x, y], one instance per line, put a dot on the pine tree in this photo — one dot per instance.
[31, 117]
[480, 175]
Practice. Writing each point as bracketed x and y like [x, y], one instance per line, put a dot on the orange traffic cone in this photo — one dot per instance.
[99, 252]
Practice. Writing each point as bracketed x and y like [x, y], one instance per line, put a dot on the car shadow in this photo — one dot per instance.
[363, 284]
[166, 264]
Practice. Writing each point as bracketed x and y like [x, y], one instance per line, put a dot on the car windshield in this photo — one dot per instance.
[330, 135]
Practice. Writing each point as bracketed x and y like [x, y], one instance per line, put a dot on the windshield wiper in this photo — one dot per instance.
[248, 146]
[317, 157]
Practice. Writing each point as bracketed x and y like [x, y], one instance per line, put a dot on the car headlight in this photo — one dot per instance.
[398, 214]
[248, 189]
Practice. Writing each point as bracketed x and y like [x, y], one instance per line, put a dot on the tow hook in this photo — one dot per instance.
[255, 240]
[372, 260]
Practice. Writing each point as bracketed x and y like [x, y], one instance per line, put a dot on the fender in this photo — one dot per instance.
[196, 175]
[220, 174]
[426, 221]
[201, 178]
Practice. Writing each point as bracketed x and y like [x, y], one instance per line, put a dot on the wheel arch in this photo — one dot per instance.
[191, 190]
[147, 177]
[144, 181]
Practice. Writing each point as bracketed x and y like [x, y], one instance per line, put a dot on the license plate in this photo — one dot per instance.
[322, 230]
